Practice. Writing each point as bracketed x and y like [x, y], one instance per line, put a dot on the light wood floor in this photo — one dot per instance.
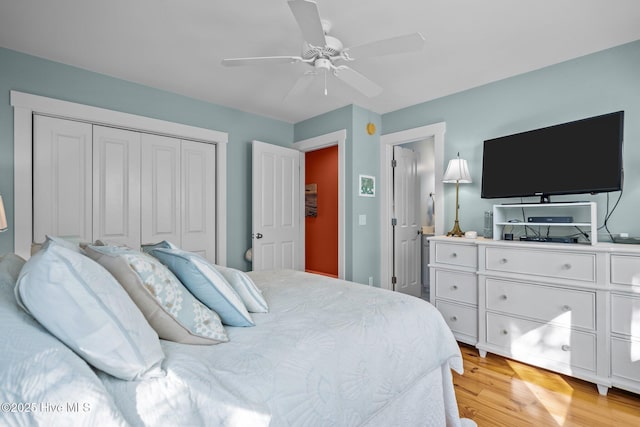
[496, 392]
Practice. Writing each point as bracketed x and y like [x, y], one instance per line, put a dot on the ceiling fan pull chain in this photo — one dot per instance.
[325, 82]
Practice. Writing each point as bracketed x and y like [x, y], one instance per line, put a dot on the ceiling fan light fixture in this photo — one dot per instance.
[322, 64]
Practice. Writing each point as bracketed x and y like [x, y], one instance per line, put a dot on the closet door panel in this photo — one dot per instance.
[198, 198]
[62, 179]
[160, 195]
[116, 186]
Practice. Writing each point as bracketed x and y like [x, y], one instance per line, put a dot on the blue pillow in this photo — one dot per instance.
[206, 284]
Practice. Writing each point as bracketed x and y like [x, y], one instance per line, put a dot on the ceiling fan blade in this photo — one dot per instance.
[233, 62]
[357, 81]
[308, 18]
[401, 44]
[301, 85]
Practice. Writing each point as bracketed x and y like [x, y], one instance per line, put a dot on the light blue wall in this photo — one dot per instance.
[600, 83]
[595, 84]
[362, 157]
[46, 78]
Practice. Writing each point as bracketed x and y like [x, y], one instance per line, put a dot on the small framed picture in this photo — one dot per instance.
[367, 186]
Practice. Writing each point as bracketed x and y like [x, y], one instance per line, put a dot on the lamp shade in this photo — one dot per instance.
[3, 217]
[457, 171]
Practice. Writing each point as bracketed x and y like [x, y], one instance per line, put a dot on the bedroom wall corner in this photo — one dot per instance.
[39, 76]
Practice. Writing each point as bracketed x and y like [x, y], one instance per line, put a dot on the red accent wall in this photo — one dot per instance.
[321, 232]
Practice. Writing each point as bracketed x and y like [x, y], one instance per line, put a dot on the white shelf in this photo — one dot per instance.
[511, 215]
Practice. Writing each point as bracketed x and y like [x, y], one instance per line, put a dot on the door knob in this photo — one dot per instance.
[258, 235]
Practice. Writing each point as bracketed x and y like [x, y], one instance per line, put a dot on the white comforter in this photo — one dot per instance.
[329, 352]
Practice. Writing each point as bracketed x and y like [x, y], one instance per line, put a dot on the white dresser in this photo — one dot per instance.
[573, 309]
[625, 318]
[453, 285]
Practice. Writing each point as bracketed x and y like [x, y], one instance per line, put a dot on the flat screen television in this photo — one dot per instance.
[583, 156]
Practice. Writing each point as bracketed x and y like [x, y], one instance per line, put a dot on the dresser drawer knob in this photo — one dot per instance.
[503, 297]
[504, 332]
[454, 287]
[566, 308]
[566, 347]
[454, 255]
[503, 261]
[566, 266]
[454, 318]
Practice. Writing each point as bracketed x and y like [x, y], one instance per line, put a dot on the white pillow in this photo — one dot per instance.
[37, 368]
[79, 302]
[245, 287]
[206, 284]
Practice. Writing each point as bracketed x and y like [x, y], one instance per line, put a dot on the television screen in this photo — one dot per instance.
[584, 156]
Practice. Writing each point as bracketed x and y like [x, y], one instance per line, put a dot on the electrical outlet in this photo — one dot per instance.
[370, 281]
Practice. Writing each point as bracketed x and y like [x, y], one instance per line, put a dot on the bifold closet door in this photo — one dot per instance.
[62, 179]
[116, 186]
[198, 172]
[160, 192]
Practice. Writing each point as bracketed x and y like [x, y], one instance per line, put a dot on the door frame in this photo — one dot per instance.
[435, 131]
[26, 104]
[311, 144]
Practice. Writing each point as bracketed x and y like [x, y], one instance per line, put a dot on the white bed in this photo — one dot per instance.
[328, 353]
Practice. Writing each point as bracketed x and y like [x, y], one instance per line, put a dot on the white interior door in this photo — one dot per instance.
[276, 196]
[407, 239]
[199, 198]
[116, 186]
[160, 192]
[62, 156]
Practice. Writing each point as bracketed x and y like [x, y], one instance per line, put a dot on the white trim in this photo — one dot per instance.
[328, 140]
[25, 105]
[387, 142]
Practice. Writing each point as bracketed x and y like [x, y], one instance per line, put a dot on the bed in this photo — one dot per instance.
[327, 353]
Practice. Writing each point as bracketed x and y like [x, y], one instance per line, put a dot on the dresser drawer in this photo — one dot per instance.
[625, 315]
[625, 270]
[566, 307]
[547, 263]
[542, 344]
[456, 254]
[625, 359]
[457, 286]
[461, 319]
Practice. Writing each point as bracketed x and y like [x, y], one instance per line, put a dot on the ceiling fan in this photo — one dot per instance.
[324, 52]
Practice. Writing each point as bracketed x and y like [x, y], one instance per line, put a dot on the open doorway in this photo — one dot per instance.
[431, 211]
[424, 150]
[321, 211]
[333, 139]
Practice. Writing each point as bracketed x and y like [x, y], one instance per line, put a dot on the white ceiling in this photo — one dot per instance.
[177, 45]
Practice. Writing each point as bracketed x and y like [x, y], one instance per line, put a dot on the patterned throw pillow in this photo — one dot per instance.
[206, 283]
[169, 307]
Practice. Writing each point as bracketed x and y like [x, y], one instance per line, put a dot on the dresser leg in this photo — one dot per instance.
[483, 353]
[602, 389]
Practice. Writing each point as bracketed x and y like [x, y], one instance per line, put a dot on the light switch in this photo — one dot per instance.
[362, 220]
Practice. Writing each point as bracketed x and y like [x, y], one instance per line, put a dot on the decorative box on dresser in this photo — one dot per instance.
[625, 317]
[453, 283]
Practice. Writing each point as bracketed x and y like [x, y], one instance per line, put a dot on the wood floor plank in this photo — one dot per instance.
[499, 392]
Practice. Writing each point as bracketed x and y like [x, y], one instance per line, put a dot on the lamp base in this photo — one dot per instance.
[456, 231]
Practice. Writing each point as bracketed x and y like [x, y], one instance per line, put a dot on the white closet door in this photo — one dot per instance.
[198, 198]
[61, 179]
[160, 191]
[116, 186]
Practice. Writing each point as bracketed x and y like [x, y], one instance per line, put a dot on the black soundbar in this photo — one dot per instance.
[549, 239]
